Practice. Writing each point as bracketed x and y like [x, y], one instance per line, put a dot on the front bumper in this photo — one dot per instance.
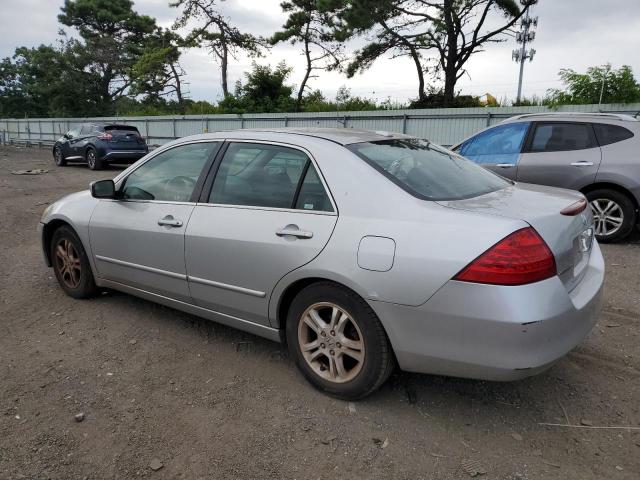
[492, 332]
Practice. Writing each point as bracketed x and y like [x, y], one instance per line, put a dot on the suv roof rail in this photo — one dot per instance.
[616, 116]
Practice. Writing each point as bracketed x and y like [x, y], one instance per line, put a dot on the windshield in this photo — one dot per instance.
[428, 171]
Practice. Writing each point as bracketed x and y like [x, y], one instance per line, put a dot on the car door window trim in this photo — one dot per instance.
[211, 176]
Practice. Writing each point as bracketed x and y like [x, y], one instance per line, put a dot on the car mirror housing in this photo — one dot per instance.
[103, 189]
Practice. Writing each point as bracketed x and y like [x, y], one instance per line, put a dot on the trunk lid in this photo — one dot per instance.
[569, 237]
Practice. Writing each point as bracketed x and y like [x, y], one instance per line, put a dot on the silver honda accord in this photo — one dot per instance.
[361, 250]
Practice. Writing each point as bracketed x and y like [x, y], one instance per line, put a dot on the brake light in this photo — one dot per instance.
[520, 258]
[575, 208]
[105, 136]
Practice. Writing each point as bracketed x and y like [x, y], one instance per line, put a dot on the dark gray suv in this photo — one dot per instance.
[99, 144]
[597, 154]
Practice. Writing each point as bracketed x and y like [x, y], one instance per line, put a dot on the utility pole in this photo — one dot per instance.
[524, 36]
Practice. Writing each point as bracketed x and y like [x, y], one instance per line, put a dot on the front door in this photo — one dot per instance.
[267, 213]
[138, 239]
[498, 148]
[560, 154]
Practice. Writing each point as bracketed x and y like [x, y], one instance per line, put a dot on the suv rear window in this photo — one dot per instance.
[427, 171]
[120, 129]
[608, 134]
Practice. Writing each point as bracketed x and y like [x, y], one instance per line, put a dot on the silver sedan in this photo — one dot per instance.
[362, 250]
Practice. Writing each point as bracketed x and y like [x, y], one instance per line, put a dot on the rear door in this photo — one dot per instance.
[138, 239]
[266, 212]
[560, 154]
[497, 148]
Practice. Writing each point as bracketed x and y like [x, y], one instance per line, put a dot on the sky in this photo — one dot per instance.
[570, 34]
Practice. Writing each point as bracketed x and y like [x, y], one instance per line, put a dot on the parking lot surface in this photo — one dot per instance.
[167, 395]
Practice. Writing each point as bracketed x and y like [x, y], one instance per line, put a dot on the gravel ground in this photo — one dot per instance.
[167, 395]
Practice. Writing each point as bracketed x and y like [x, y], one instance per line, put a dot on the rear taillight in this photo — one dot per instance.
[105, 136]
[520, 258]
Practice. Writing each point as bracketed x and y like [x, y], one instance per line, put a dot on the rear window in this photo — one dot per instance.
[427, 171]
[121, 129]
[608, 134]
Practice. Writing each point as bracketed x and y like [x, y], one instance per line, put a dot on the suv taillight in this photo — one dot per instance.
[105, 136]
[520, 258]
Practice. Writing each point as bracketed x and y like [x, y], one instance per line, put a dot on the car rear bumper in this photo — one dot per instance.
[491, 332]
[122, 155]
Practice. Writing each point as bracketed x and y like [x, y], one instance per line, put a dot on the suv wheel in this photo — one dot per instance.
[93, 161]
[614, 215]
[58, 157]
[338, 342]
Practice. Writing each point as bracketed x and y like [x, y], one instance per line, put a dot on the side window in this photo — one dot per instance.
[74, 132]
[559, 137]
[169, 176]
[501, 144]
[312, 195]
[258, 175]
[86, 129]
[608, 134]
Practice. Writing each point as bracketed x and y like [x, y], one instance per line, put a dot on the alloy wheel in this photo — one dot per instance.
[91, 159]
[607, 215]
[68, 263]
[331, 342]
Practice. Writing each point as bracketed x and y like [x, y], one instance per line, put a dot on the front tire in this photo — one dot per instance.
[614, 215]
[58, 157]
[71, 264]
[93, 161]
[338, 342]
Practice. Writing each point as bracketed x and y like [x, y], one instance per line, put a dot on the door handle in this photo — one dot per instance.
[582, 164]
[294, 231]
[505, 165]
[169, 221]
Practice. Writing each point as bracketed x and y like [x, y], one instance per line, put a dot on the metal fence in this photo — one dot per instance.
[442, 126]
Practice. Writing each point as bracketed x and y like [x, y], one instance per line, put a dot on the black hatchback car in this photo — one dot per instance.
[99, 144]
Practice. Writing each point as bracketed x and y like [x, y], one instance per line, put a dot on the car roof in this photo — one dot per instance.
[573, 116]
[341, 136]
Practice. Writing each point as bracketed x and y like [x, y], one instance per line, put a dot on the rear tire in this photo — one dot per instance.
[58, 157]
[614, 215]
[71, 264]
[93, 161]
[338, 342]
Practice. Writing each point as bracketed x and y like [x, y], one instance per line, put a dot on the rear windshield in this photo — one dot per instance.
[121, 129]
[427, 171]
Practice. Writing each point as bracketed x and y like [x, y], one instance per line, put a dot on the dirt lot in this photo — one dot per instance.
[167, 395]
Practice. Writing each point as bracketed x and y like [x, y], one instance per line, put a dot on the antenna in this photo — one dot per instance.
[524, 36]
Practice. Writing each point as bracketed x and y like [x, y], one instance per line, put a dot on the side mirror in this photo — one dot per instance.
[103, 189]
[67, 136]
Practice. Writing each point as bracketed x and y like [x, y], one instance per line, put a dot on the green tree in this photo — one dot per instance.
[157, 73]
[448, 32]
[615, 86]
[216, 33]
[46, 81]
[309, 26]
[114, 37]
[264, 91]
